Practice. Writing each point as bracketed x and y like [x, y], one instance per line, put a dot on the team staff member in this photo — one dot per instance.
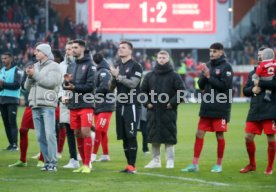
[128, 77]
[81, 81]
[103, 107]
[261, 116]
[10, 79]
[216, 78]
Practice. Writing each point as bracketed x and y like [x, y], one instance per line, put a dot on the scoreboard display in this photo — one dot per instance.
[152, 16]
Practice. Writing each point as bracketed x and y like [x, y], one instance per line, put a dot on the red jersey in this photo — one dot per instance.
[266, 68]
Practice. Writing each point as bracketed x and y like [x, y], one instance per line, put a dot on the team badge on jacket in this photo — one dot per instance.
[127, 70]
[217, 71]
[83, 68]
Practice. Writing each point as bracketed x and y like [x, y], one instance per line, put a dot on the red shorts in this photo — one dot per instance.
[27, 119]
[257, 127]
[81, 118]
[102, 121]
[212, 124]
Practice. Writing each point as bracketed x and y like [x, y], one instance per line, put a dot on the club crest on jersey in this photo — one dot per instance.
[228, 73]
[103, 74]
[127, 70]
[83, 68]
[217, 71]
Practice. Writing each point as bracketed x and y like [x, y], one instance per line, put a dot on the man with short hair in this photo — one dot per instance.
[162, 117]
[43, 81]
[81, 82]
[10, 80]
[261, 116]
[67, 65]
[216, 78]
[127, 77]
[104, 107]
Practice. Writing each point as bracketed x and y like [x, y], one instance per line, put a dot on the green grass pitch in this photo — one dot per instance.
[105, 176]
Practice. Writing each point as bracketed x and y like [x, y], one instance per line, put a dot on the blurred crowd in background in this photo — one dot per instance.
[22, 25]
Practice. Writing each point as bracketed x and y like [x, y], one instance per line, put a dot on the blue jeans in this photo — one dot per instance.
[44, 123]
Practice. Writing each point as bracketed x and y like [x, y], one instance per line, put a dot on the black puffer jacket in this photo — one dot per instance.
[161, 121]
[84, 73]
[220, 82]
[105, 97]
[259, 109]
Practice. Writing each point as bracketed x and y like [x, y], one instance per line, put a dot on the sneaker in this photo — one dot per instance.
[86, 169]
[79, 157]
[124, 170]
[40, 164]
[18, 164]
[248, 168]
[104, 158]
[216, 169]
[52, 168]
[59, 155]
[170, 164]
[268, 171]
[93, 157]
[79, 170]
[191, 168]
[45, 168]
[131, 169]
[72, 164]
[14, 148]
[153, 164]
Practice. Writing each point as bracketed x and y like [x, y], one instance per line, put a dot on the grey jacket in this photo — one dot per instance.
[44, 84]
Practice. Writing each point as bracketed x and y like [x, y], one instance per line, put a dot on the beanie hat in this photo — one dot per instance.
[267, 54]
[217, 46]
[45, 49]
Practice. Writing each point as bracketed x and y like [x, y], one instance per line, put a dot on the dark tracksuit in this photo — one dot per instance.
[128, 113]
[260, 109]
[220, 82]
[9, 100]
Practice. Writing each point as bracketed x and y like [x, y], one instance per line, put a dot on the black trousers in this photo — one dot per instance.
[144, 130]
[9, 115]
[70, 140]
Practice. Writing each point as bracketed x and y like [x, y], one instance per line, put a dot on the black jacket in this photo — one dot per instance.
[129, 69]
[259, 109]
[220, 82]
[104, 103]
[84, 73]
[161, 122]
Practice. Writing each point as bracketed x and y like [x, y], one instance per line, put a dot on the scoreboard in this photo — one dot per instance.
[152, 16]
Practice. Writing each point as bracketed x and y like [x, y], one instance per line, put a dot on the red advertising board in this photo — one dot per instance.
[152, 16]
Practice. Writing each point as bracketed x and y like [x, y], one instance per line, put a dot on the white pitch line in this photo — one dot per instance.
[185, 179]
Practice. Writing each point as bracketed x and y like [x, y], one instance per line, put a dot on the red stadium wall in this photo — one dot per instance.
[240, 9]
